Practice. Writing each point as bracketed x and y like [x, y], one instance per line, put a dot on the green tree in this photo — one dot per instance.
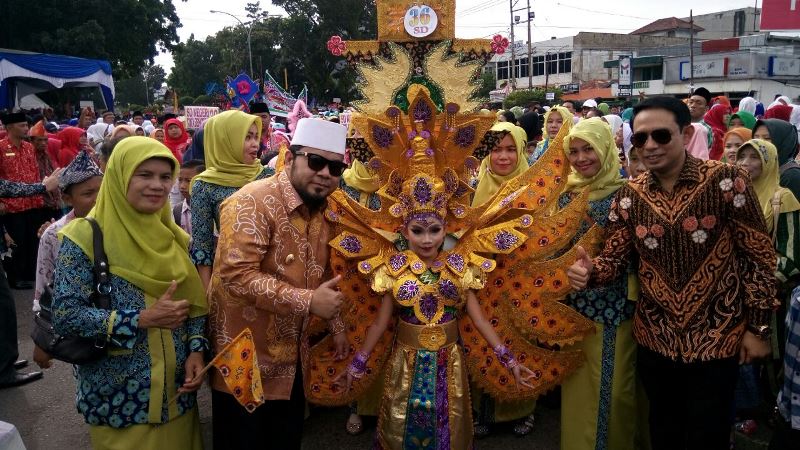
[488, 83]
[196, 63]
[128, 33]
[136, 90]
[524, 97]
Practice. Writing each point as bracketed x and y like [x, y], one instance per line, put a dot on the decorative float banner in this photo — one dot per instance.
[196, 115]
[279, 101]
[241, 90]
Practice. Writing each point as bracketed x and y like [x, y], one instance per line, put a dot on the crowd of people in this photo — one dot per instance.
[691, 298]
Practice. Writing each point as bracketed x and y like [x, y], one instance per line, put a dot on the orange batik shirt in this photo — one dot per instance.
[272, 254]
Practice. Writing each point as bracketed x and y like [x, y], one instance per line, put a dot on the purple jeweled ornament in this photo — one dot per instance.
[456, 261]
[428, 305]
[425, 134]
[429, 151]
[408, 290]
[422, 191]
[365, 266]
[393, 112]
[412, 134]
[452, 108]
[417, 266]
[397, 261]
[448, 289]
[504, 240]
[382, 136]
[526, 220]
[486, 265]
[351, 244]
[422, 112]
[465, 136]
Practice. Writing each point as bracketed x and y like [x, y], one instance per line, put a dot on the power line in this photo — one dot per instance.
[603, 12]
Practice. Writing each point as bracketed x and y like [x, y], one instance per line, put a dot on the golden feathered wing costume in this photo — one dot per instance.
[425, 160]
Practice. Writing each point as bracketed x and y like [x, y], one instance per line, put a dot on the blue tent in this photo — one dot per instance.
[23, 73]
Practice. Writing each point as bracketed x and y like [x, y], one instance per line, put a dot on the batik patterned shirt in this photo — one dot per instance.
[46, 258]
[272, 254]
[789, 395]
[706, 262]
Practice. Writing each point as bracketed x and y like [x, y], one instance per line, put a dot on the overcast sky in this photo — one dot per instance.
[484, 18]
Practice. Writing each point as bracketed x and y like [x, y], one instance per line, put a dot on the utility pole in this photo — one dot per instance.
[513, 65]
[249, 31]
[691, 53]
[530, 62]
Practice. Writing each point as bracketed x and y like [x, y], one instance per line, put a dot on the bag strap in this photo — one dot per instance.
[101, 277]
[776, 210]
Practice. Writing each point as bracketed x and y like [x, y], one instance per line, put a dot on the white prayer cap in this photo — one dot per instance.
[320, 134]
[589, 104]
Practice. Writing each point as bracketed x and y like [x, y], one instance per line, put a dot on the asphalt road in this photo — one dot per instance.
[45, 414]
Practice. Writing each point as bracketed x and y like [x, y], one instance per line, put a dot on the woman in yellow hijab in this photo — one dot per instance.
[231, 146]
[505, 161]
[141, 395]
[598, 402]
[779, 205]
[553, 120]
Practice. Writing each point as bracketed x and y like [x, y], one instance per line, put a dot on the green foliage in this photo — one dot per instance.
[524, 97]
[488, 83]
[296, 44]
[128, 33]
[202, 100]
[136, 90]
[186, 100]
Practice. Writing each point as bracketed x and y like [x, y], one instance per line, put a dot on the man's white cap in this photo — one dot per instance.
[320, 134]
[589, 104]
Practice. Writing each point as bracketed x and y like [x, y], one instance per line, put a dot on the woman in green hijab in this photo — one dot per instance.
[231, 142]
[742, 119]
[141, 395]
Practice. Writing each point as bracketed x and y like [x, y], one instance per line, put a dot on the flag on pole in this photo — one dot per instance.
[238, 365]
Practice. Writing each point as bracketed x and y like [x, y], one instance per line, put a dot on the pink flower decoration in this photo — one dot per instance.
[641, 231]
[499, 44]
[690, 223]
[657, 230]
[337, 46]
[243, 87]
[708, 222]
[728, 196]
[739, 184]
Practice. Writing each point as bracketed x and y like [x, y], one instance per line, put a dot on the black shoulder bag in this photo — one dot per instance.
[75, 349]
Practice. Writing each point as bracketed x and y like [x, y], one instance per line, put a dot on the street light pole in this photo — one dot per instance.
[249, 31]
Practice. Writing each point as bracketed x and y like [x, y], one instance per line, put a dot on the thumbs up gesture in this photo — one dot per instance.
[579, 272]
[326, 300]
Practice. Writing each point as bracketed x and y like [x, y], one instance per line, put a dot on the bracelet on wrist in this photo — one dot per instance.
[505, 356]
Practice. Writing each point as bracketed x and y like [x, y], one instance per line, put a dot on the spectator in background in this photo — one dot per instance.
[182, 212]
[176, 138]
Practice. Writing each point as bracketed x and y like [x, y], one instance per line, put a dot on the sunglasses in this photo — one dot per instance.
[317, 163]
[662, 136]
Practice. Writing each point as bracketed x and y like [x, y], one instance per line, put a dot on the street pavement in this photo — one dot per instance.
[45, 414]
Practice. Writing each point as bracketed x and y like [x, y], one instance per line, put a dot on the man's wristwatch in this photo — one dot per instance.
[762, 331]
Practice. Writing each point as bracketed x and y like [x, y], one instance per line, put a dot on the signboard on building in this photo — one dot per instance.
[196, 115]
[780, 15]
[550, 96]
[571, 88]
[625, 83]
[713, 68]
[780, 66]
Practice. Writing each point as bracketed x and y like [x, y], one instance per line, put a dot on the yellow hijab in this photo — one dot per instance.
[358, 176]
[768, 183]
[489, 183]
[224, 136]
[608, 179]
[148, 250]
[565, 115]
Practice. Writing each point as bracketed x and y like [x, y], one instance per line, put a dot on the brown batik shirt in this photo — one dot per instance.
[272, 254]
[706, 262]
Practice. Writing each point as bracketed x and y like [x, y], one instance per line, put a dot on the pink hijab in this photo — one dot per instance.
[698, 145]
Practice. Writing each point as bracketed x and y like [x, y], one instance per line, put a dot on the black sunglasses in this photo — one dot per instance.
[662, 136]
[317, 163]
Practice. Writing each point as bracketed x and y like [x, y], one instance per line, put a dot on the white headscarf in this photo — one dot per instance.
[748, 104]
[794, 119]
[780, 100]
[627, 145]
[97, 132]
[614, 121]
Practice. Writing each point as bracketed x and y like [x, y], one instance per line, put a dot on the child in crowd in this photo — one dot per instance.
[182, 212]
